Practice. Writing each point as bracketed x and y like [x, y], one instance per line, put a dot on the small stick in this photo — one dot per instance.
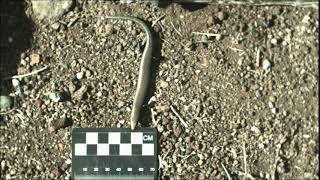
[161, 163]
[245, 160]
[236, 49]
[225, 170]
[158, 19]
[28, 74]
[155, 123]
[185, 157]
[180, 118]
[176, 29]
[203, 41]
[258, 57]
[207, 34]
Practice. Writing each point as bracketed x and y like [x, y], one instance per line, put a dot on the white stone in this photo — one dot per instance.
[266, 64]
[15, 82]
[80, 75]
[274, 41]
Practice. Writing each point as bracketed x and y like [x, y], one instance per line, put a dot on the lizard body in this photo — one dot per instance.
[144, 70]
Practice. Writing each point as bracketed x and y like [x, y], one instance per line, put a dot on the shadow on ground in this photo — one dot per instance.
[16, 36]
[191, 6]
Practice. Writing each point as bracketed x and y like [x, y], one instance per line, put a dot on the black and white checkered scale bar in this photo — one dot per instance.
[112, 153]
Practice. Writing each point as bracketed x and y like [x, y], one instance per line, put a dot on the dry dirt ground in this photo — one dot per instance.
[248, 92]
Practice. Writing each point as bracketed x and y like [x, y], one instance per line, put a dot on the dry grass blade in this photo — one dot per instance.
[179, 117]
[226, 171]
[28, 74]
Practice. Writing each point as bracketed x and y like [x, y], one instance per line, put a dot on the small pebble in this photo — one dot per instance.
[266, 64]
[80, 93]
[164, 84]
[202, 177]
[23, 55]
[68, 161]
[218, 37]
[121, 104]
[200, 162]
[272, 99]
[99, 94]
[72, 88]
[56, 96]
[109, 29]
[23, 62]
[88, 73]
[3, 165]
[5, 103]
[119, 48]
[12, 172]
[162, 108]
[34, 59]
[55, 26]
[15, 82]
[80, 75]
[274, 41]
[55, 173]
[177, 131]
[271, 105]
[221, 15]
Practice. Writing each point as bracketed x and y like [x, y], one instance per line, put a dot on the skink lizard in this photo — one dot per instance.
[144, 71]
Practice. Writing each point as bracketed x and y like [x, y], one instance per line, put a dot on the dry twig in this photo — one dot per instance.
[156, 21]
[207, 34]
[175, 29]
[28, 74]
[258, 57]
[179, 117]
[226, 171]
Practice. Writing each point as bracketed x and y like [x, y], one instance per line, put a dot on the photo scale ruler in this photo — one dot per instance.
[113, 153]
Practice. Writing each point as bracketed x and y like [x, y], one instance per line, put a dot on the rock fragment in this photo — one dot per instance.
[56, 96]
[78, 95]
[266, 65]
[51, 9]
[15, 82]
[109, 29]
[5, 103]
[34, 59]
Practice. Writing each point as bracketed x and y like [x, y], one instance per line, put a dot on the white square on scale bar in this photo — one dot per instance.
[147, 149]
[136, 138]
[125, 150]
[114, 138]
[80, 149]
[91, 138]
[102, 149]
